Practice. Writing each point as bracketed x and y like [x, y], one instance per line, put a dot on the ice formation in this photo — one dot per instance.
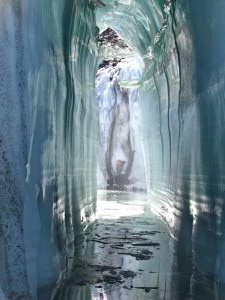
[120, 158]
[48, 131]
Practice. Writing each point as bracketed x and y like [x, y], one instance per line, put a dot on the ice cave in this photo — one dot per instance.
[58, 145]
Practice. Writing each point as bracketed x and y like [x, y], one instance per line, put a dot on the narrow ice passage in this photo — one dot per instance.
[49, 56]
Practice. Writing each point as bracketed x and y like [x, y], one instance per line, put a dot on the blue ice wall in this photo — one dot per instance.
[48, 137]
[13, 153]
[185, 139]
[183, 113]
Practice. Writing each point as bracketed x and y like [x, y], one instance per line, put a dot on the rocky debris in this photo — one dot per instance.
[146, 288]
[109, 63]
[88, 273]
[112, 48]
[110, 36]
[127, 242]
[124, 238]
[111, 279]
[140, 233]
[150, 243]
[139, 254]
[127, 274]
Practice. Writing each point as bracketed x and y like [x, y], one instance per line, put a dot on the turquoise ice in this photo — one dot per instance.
[48, 131]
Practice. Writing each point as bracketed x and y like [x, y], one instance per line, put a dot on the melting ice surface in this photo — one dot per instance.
[127, 254]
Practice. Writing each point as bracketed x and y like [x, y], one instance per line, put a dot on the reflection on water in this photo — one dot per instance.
[128, 253]
[115, 204]
[125, 255]
[129, 214]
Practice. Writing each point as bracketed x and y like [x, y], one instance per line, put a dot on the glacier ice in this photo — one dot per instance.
[48, 132]
[48, 138]
[120, 159]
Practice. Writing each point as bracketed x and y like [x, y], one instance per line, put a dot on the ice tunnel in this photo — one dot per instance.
[49, 55]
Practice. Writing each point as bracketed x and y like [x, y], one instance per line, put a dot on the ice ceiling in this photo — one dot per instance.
[48, 131]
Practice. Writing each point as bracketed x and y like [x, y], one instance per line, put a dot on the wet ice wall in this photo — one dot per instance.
[186, 139]
[48, 134]
[120, 158]
[13, 153]
[182, 105]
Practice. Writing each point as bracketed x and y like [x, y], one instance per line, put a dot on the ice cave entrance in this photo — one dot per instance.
[120, 159]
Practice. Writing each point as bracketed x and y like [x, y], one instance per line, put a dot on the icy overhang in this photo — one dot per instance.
[136, 22]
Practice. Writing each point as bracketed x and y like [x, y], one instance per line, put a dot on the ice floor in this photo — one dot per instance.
[127, 254]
